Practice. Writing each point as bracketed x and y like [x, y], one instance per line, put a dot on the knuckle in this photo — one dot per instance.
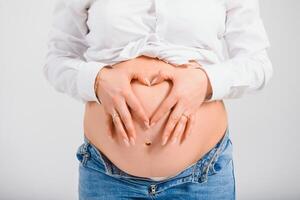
[118, 90]
[115, 99]
[185, 118]
[174, 118]
[126, 117]
[122, 132]
[116, 122]
[172, 124]
[130, 129]
[125, 93]
[182, 121]
[137, 108]
[169, 128]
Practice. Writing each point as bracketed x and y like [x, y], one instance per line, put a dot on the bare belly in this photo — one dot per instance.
[155, 160]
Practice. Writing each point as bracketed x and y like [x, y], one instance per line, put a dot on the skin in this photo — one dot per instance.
[186, 97]
[139, 159]
[113, 88]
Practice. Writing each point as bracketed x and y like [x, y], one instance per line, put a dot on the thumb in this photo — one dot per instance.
[161, 76]
[142, 79]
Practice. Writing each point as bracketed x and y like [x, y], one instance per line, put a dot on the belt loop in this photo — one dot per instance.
[85, 153]
[107, 164]
[204, 172]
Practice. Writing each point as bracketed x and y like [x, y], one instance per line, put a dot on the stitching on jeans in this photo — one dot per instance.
[98, 154]
[218, 149]
[85, 154]
[208, 157]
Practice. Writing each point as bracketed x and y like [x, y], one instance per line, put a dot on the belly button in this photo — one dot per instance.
[148, 143]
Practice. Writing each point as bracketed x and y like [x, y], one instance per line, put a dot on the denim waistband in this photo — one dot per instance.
[198, 172]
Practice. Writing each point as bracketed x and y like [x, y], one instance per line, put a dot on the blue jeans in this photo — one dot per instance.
[210, 178]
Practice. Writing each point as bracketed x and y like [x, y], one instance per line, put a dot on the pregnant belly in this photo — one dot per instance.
[155, 160]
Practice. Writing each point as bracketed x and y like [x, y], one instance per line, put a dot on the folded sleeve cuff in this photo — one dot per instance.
[220, 80]
[86, 80]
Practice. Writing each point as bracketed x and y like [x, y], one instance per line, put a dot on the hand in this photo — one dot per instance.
[191, 87]
[114, 90]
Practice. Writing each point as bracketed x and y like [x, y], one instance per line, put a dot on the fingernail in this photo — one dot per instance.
[152, 124]
[148, 82]
[126, 142]
[174, 140]
[153, 80]
[132, 141]
[164, 141]
[147, 124]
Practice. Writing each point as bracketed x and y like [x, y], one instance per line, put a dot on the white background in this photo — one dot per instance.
[40, 129]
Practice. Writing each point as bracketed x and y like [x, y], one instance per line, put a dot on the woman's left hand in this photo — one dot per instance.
[191, 87]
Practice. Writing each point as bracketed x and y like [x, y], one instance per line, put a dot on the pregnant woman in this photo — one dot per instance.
[153, 76]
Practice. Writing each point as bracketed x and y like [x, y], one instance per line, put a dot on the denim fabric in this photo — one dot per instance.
[210, 178]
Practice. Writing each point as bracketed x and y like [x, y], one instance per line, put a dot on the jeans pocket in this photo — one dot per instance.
[222, 160]
[89, 157]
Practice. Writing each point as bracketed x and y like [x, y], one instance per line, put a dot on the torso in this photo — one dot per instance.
[155, 160]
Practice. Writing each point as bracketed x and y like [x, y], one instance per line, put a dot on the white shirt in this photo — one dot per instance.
[87, 35]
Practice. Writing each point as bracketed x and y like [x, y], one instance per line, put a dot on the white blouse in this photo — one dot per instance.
[87, 35]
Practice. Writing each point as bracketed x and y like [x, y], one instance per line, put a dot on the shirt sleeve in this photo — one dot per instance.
[248, 68]
[65, 67]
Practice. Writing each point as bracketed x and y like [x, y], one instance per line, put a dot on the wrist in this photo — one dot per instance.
[208, 90]
[98, 78]
[208, 93]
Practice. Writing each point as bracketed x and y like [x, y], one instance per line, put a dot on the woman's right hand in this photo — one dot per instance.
[114, 90]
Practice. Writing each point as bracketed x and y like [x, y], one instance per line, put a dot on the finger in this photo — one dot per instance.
[141, 79]
[120, 129]
[162, 76]
[190, 125]
[109, 124]
[136, 106]
[173, 119]
[166, 105]
[127, 120]
[179, 129]
[108, 118]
